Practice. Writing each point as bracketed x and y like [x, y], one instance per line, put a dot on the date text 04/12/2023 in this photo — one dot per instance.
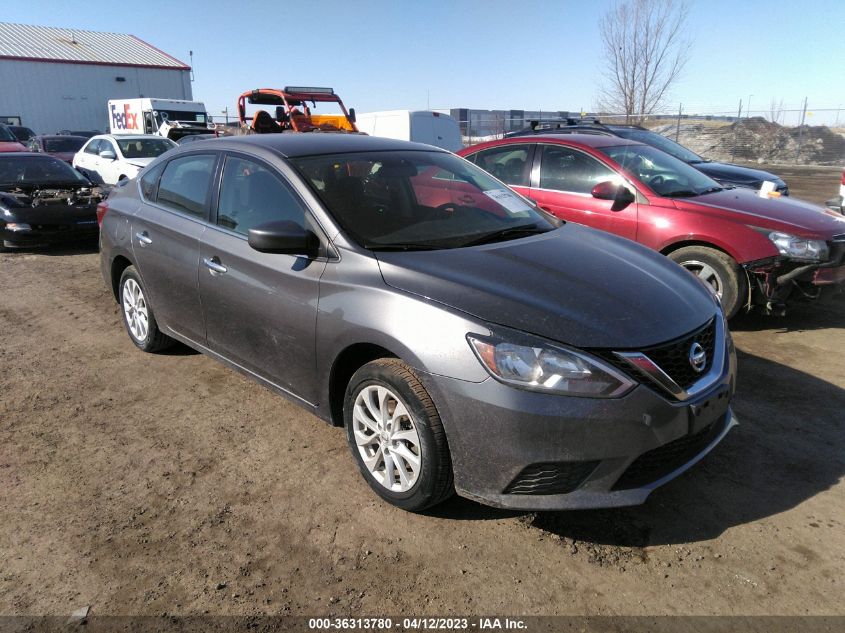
[417, 624]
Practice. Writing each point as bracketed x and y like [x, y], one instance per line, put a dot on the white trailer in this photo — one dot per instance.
[171, 118]
[420, 126]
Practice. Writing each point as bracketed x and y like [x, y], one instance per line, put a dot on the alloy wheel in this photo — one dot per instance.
[386, 437]
[135, 310]
[706, 273]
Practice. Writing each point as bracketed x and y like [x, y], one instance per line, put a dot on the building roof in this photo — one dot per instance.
[75, 46]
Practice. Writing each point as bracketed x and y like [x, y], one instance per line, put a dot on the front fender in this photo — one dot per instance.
[356, 307]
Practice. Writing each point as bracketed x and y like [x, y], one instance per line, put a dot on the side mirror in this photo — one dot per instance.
[108, 154]
[352, 114]
[284, 237]
[609, 190]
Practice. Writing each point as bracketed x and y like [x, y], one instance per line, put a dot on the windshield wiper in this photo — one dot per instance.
[502, 234]
[680, 193]
[401, 247]
[711, 190]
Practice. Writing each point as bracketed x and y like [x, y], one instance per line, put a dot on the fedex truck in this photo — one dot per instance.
[171, 118]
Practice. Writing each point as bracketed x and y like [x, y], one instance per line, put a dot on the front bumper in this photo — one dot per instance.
[533, 451]
[51, 234]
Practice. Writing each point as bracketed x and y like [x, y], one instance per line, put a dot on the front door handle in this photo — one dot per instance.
[214, 265]
[143, 238]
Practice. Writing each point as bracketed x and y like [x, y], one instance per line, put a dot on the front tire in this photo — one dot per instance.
[719, 270]
[138, 317]
[396, 436]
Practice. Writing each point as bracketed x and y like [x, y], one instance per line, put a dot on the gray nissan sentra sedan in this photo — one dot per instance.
[467, 340]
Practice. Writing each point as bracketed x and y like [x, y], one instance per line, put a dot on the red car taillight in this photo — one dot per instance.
[102, 209]
[843, 176]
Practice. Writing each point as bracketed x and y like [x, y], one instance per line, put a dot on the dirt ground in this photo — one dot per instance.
[150, 484]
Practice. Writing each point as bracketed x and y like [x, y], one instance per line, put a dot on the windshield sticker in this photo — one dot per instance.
[510, 201]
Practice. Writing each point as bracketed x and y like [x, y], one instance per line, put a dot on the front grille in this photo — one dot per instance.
[660, 461]
[551, 478]
[673, 357]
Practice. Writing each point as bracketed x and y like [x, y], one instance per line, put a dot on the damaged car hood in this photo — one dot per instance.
[574, 285]
[17, 197]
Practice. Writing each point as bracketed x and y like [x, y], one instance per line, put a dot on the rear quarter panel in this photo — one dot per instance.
[115, 238]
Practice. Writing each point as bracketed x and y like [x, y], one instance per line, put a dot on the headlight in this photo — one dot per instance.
[799, 247]
[543, 367]
[17, 227]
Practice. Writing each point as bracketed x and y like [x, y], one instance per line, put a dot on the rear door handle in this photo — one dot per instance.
[214, 265]
[143, 238]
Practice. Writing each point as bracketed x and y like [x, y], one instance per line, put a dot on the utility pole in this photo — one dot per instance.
[738, 115]
[748, 107]
[226, 112]
[678, 127]
[801, 129]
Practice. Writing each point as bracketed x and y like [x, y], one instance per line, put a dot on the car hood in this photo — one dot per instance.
[11, 146]
[785, 214]
[140, 162]
[574, 285]
[735, 173]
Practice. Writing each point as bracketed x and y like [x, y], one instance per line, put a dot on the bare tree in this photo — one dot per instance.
[776, 111]
[645, 50]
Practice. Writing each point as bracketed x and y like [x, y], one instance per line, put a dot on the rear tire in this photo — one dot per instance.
[719, 270]
[396, 436]
[138, 317]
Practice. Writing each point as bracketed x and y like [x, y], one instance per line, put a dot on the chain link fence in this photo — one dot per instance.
[776, 136]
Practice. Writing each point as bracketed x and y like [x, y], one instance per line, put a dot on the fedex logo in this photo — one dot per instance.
[124, 120]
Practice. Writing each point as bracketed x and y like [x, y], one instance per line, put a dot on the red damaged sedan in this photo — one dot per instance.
[751, 250]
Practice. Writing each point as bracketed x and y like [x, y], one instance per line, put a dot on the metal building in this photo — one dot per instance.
[55, 79]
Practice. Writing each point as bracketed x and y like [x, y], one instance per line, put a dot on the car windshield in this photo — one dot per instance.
[37, 170]
[6, 135]
[22, 133]
[179, 115]
[663, 174]
[410, 200]
[660, 142]
[63, 144]
[144, 147]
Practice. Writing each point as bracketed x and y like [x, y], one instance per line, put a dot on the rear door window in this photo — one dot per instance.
[149, 181]
[92, 147]
[508, 163]
[185, 184]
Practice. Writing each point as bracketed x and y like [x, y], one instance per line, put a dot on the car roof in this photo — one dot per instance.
[588, 140]
[313, 143]
[133, 137]
[60, 136]
[28, 155]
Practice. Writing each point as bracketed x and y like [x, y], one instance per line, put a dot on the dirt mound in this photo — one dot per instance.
[761, 141]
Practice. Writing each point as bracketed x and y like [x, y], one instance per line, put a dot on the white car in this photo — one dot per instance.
[109, 159]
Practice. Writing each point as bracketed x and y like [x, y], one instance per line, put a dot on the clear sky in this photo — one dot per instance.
[520, 54]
